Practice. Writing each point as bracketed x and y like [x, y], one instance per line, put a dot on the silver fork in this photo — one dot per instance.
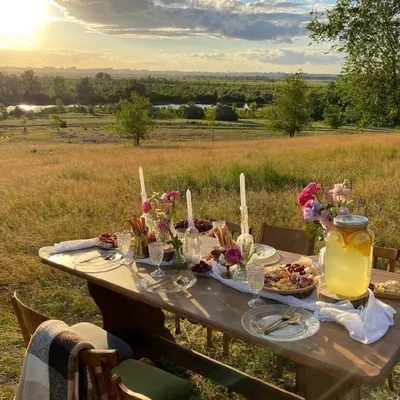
[288, 314]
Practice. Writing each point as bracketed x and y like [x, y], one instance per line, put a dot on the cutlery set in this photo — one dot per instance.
[288, 318]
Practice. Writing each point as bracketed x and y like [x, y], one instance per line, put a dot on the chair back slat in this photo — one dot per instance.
[285, 239]
[386, 253]
[125, 394]
[28, 319]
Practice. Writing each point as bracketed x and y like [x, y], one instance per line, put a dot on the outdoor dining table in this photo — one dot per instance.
[330, 365]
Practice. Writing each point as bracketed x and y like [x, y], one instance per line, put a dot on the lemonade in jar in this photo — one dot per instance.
[348, 260]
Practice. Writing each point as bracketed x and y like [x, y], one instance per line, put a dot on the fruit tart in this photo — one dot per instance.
[107, 241]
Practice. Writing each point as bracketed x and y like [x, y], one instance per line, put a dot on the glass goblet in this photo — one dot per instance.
[255, 279]
[124, 245]
[156, 252]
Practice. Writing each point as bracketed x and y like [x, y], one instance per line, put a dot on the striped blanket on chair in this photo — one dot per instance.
[51, 370]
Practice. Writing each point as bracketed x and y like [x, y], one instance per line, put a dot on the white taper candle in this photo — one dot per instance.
[189, 207]
[242, 190]
[142, 186]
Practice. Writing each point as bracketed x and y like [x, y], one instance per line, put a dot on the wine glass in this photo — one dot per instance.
[156, 251]
[255, 279]
[124, 245]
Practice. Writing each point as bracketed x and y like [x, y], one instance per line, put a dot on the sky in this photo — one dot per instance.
[185, 35]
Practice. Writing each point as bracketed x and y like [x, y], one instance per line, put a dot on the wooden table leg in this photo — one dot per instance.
[129, 319]
[316, 385]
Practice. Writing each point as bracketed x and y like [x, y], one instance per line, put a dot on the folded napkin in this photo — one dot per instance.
[72, 245]
[365, 324]
[308, 303]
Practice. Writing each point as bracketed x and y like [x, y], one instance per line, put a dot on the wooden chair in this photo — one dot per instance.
[391, 256]
[106, 360]
[285, 239]
[235, 229]
[98, 362]
[385, 253]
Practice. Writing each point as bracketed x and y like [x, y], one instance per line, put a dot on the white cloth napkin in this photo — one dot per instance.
[72, 245]
[308, 303]
[365, 324]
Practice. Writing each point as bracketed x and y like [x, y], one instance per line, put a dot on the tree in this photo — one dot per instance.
[210, 117]
[30, 85]
[56, 121]
[368, 31]
[333, 116]
[290, 111]
[133, 119]
[60, 106]
[24, 121]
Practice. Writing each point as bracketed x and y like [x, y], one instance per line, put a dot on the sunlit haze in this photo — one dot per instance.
[186, 35]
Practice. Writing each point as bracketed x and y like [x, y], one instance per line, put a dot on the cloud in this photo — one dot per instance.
[291, 57]
[261, 20]
[275, 56]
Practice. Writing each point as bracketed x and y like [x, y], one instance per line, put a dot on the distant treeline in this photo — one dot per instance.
[105, 89]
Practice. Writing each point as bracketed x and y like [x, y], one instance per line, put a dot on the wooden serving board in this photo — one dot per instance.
[300, 293]
[390, 296]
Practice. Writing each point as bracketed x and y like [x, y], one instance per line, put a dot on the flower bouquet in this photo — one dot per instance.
[319, 215]
[230, 258]
[160, 208]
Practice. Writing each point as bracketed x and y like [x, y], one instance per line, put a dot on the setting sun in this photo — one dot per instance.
[20, 18]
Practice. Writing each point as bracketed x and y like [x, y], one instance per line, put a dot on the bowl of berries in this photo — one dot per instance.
[202, 225]
[202, 268]
[298, 280]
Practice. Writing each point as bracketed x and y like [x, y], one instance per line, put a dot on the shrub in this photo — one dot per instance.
[225, 113]
[191, 111]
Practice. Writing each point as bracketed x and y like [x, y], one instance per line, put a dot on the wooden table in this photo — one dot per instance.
[331, 365]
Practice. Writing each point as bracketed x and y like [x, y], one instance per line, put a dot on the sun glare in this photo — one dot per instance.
[20, 18]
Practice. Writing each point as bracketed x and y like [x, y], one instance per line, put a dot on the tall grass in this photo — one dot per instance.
[66, 191]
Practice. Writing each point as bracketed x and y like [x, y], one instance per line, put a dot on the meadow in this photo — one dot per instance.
[52, 190]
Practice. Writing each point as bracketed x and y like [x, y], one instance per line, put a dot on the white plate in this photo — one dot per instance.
[187, 280]
[94, 260]
[264, 251]
[307, 326]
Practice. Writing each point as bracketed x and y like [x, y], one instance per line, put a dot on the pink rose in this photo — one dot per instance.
[173, 194]
[233, 255]
[326, 219]
[146, 206]
[313, 187]
[304, 197]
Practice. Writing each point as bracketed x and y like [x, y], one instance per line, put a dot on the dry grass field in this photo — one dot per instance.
[56, 191]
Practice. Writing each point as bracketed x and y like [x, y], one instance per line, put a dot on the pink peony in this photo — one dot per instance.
[326, 219]
[146, 206]
[233, 255]
[173, 194]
